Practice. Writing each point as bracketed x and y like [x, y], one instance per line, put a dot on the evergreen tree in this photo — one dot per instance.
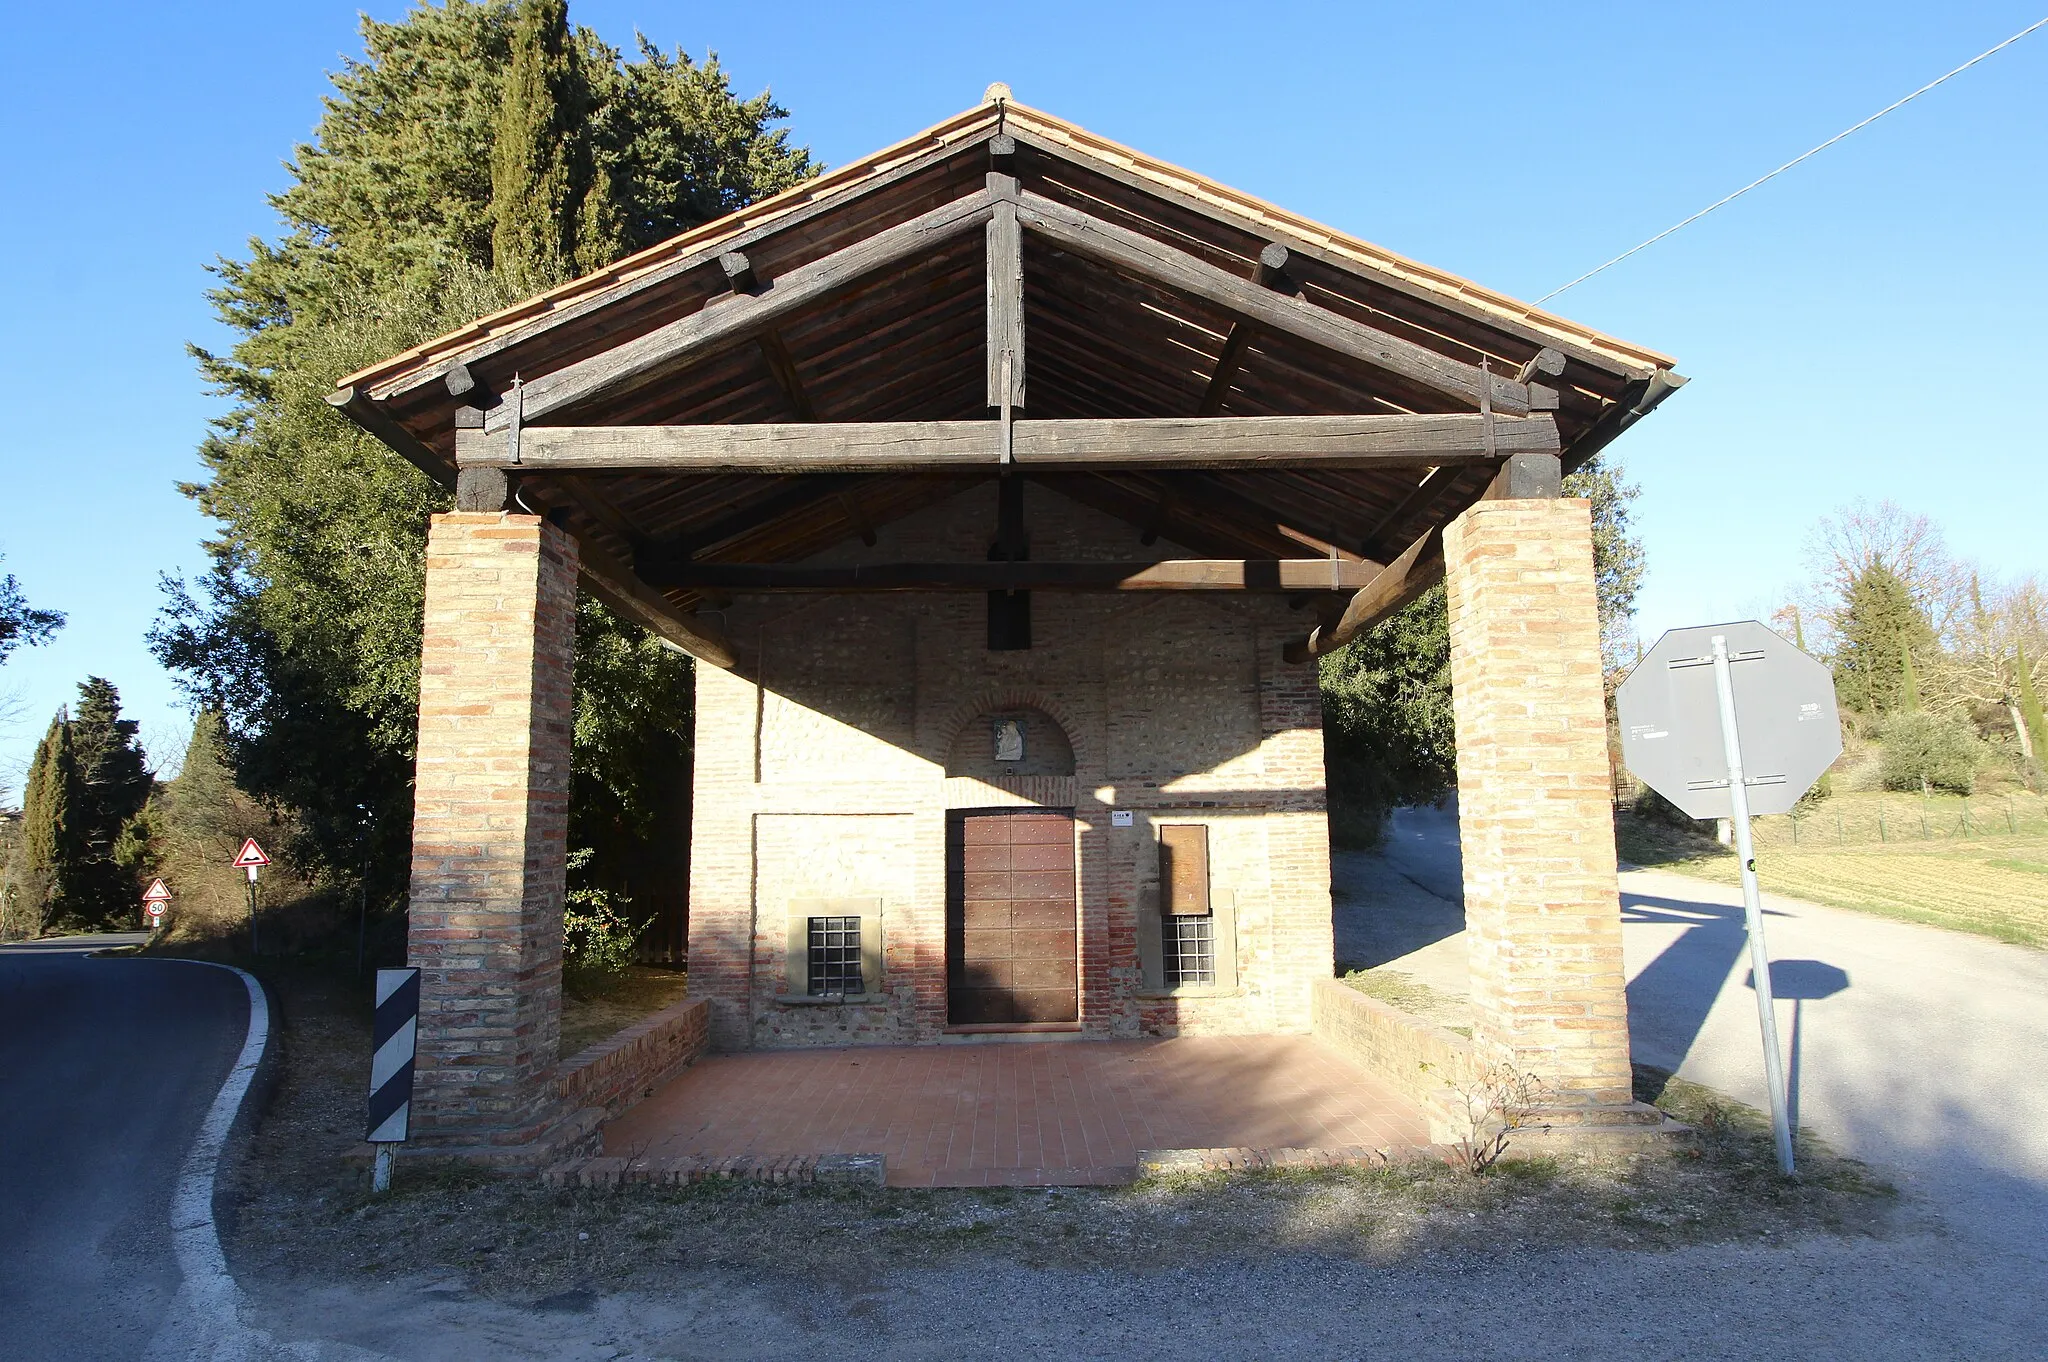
[1618, 562]
[541, 180]
[1909, 684]
[21, 623]
[1879, 625]
[86, 786]
[2030, 705]
[304, 634]
[49, 834]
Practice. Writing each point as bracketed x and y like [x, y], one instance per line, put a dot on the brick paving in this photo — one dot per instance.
[1039, 1113]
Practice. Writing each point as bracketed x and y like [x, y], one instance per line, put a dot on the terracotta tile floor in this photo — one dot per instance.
[1020, 1113]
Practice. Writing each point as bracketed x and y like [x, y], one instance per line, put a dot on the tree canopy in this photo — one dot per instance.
[20, 623]
[88, 781]
[414, 210]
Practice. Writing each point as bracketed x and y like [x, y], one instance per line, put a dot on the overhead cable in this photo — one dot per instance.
[2042, 23]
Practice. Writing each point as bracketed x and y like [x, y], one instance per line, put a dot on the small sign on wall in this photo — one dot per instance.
[1119, 818]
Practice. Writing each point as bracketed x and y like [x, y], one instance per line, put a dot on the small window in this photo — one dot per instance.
[834, 957]
[1188, 953]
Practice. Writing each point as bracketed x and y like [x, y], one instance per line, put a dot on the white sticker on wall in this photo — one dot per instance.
[1119, 818]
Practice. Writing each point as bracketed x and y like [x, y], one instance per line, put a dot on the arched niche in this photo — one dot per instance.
[1017, 740]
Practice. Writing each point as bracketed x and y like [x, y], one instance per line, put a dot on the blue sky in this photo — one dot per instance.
[1857, 328]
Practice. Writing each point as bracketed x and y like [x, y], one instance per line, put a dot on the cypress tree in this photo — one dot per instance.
[1909, 684]
[536, 197]
[49, 840]
[2030, 705]
[1879, 624]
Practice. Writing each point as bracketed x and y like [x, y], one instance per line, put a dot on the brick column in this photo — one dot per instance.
[491, 803]
[722, 927]
[1542, 910]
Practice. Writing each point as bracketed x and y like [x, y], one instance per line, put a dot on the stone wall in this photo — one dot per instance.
[821, 774]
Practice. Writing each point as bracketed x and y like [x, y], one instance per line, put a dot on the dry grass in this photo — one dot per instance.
[1411, 995]
[301, 1214]
[596, 1006]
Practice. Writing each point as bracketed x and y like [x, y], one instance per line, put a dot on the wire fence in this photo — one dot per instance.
[1864, 820]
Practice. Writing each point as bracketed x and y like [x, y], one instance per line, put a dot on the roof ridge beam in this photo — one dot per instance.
[742, 315]
[1173, 574]
[1088, 235]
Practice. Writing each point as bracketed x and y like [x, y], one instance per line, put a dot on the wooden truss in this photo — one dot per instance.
[713, 414]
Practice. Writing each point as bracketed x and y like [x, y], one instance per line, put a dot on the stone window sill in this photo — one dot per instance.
[1191, 991]
[829, 999]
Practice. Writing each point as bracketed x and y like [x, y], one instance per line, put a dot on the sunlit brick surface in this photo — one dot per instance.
[1063, 1111]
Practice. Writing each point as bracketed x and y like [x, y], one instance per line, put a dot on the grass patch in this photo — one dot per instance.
[1411, 995]
[1988, 886]
[597, 1005]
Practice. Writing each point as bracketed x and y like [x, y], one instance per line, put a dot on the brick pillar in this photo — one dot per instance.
[491, 803]
[1542, 909]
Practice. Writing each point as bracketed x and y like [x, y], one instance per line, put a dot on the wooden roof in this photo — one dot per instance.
[863, 299]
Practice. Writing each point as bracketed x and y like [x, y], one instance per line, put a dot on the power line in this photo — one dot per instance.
[2043, 23]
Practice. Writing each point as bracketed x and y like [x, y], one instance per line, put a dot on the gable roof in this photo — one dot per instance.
[1108, 337]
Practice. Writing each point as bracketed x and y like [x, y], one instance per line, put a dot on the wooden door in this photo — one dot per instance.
[1010, 938]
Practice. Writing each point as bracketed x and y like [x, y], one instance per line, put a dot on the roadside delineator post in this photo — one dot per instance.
[394, 1034]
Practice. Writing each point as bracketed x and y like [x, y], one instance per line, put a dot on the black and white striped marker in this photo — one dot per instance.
[394, 1033]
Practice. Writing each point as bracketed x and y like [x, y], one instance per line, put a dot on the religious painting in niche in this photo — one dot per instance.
[1019, 741]
[1009, 736]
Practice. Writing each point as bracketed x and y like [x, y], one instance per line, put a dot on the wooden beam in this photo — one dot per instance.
[747, 314]
[1527, 477]
[1128, 250]
[1190, 574]
[739, 272]
[783, 367]
[1243, 442]
[1227, 365]
[1005, 301]
[1394, 586]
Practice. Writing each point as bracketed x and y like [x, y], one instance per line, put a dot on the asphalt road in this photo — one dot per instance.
[107, 1068]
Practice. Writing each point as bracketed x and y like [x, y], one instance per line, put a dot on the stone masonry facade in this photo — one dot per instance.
[821, 777]
[1542, 910]
[490, 822]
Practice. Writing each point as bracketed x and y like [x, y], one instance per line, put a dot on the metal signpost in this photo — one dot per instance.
[154, 901]
[394, 1036]
[1726, 721]
[251, 858]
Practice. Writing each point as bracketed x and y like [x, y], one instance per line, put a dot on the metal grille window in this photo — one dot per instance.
[1189, 953]
[834, 956]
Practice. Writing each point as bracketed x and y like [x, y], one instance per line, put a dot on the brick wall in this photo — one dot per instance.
[820, 772]
[1542, 912]
[489, 823]
[615, 1073]
[1425, 1061]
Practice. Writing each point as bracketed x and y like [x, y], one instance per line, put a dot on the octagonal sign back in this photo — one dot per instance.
[1784, 711]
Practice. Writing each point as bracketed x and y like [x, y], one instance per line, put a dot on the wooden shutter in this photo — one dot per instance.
[1183, 869]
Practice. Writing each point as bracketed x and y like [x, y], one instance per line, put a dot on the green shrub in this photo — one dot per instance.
[1929, 752]
[597, 936]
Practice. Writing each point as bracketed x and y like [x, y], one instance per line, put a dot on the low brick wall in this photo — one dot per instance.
[1421, 1059]
[614, 1074]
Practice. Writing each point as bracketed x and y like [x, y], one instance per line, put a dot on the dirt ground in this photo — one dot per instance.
[301, 1214]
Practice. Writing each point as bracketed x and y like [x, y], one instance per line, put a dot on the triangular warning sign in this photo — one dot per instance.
[251, 854]
[158, 892]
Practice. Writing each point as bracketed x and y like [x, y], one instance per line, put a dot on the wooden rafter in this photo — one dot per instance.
[1119, 246]
[744, 315]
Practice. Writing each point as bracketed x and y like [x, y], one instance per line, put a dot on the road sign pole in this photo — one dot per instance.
[1752, 909]
[255, 947]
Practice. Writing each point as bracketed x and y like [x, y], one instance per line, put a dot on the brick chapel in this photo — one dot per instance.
[1006, 485]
